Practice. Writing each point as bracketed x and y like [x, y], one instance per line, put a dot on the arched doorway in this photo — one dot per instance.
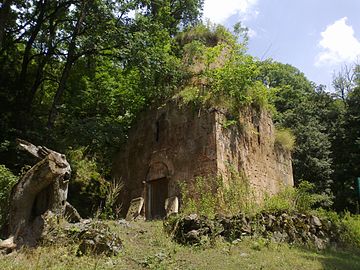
[157, 191]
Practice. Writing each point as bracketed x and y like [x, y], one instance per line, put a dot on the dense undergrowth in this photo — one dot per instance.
[7, 181]
[211, 200]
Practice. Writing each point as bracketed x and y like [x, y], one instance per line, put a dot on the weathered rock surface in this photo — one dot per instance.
[180, 144]
[279, 227]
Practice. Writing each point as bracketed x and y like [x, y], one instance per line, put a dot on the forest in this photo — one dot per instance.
[75, 74]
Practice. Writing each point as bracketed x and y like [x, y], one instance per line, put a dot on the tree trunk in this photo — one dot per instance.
[29, 46]
[70, 59]
[40, 70]
[43, 188]
[4, 15]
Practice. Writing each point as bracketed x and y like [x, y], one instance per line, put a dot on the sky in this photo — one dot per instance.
[318, 37]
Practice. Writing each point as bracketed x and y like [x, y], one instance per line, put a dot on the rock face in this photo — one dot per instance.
[173, 144]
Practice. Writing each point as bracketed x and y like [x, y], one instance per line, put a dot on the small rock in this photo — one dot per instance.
[319, 243]
[192, 237]
[191, 217]
[236, 241]
[124, 223]
[7, 246]
[316, 221]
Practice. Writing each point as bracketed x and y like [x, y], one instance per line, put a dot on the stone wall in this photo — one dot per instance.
[181, 143]
[249, 147]
[178, 144]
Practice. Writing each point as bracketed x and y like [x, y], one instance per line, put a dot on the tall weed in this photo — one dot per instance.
[209, 196]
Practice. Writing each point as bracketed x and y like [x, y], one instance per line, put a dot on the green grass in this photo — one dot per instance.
[146, 246]
[285, 139]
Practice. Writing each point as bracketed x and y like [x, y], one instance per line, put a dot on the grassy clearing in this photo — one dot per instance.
[146, 246]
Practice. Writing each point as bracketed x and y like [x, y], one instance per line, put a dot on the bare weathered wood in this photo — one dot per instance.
[43, 188]
[39, 152]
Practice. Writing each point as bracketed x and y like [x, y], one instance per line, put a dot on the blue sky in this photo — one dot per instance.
[316, 36]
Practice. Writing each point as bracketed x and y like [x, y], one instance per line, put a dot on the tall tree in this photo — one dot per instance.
[297, 108]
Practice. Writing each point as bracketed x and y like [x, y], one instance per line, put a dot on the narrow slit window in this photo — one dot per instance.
[157, 136]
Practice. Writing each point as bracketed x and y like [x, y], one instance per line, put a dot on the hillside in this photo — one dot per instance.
[146, 246]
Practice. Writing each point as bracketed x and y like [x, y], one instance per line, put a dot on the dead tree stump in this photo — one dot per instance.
[43, 188]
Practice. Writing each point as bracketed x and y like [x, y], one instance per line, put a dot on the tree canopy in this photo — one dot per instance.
[74, 75]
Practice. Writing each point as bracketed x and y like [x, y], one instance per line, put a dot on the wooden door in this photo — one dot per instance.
[158, 193]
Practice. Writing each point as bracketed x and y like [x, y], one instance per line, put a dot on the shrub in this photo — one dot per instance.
[348, 224]
[7, 181]
[301, 199]
[351, 226]
[87, 184]
[285, 139]
[209, 196]
[111, 209]
[236, 195]
[199, 196]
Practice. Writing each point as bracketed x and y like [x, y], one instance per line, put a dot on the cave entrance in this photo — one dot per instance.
[157, 194]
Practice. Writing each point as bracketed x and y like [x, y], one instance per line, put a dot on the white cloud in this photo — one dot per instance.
[218, 11]
[252, 33]
[338, 44]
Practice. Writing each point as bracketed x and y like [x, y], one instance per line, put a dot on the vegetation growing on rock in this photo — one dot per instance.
[74, 76]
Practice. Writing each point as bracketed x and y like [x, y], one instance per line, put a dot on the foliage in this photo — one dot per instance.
[235, 194]
[351, 224]
[111, 209]
[76, 74]
[152, 248]
[212, 195]
[199, 196]
[87, 184]
[346, 148]
[7, 181]
[301, 198]
[304, 109]
[284, 139]
[221, 74]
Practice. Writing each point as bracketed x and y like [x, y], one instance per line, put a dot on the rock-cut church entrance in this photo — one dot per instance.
[157, 194]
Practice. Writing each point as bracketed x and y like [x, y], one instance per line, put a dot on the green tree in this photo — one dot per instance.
[346, 145]
[296, 101]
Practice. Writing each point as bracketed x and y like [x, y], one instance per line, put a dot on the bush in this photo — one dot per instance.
[87, 187]
[7, 181]
[301, 199]
[236, 195]
[209, 196]
[111, 208]
[351, 225]
[285, 139]
[199, 196]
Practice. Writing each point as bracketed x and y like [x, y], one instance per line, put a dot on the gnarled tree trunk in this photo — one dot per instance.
[43, 188]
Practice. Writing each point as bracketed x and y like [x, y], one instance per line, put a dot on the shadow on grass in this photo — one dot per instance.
[336, 259]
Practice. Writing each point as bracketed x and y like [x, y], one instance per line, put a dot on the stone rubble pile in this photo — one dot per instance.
[279, 227]
[93, 237]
